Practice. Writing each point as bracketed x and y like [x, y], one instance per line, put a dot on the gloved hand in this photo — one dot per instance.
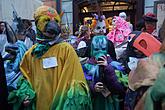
[117, 65]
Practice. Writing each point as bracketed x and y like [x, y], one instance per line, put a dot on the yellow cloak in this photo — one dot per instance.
[59, 87]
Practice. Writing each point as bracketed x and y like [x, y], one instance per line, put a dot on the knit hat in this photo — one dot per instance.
[151, 17]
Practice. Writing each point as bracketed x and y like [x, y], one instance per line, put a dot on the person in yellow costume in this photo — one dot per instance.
[53, 69]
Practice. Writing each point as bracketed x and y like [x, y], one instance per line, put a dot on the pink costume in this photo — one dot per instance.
[120, 31]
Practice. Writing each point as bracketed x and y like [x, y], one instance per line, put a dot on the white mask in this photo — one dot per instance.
[123, 15]
[3, 42]
[28, 42]
[100, 27]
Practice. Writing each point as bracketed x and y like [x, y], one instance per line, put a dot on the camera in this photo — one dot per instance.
[100, 59]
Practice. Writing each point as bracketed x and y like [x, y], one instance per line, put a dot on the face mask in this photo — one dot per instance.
[100, 27]
[3, 41]
[99, 46]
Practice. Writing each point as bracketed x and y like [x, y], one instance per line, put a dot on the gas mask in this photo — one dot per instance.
[100, 27]
[99, 46]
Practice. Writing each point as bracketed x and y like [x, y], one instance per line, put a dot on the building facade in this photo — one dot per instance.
[85, 8]
[24, 9]
[76, 10]
[67, 18]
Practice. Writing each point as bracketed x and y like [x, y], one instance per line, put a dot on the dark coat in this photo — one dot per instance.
[3, 86]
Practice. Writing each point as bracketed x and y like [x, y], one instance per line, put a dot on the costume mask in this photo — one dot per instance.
[46, 19]
[123, 15]
[3, 41]
[48, 31]
[52, 29]
[100, 27]
[99, 46]
[119, 32]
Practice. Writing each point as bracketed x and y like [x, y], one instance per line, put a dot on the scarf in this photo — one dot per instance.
[44, 44]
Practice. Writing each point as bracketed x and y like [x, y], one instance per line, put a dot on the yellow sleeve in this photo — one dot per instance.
[73, 65]
[24, 67]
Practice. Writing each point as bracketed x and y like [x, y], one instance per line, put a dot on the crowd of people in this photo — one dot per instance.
[95, 69]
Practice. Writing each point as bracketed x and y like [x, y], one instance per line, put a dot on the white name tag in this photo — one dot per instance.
[50, 62]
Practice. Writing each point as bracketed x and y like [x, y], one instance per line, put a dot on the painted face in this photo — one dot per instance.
[99, 46]
[100, 27]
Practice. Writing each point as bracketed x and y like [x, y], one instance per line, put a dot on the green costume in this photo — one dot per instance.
[53, 69]
[23, 91]
[156, 93]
